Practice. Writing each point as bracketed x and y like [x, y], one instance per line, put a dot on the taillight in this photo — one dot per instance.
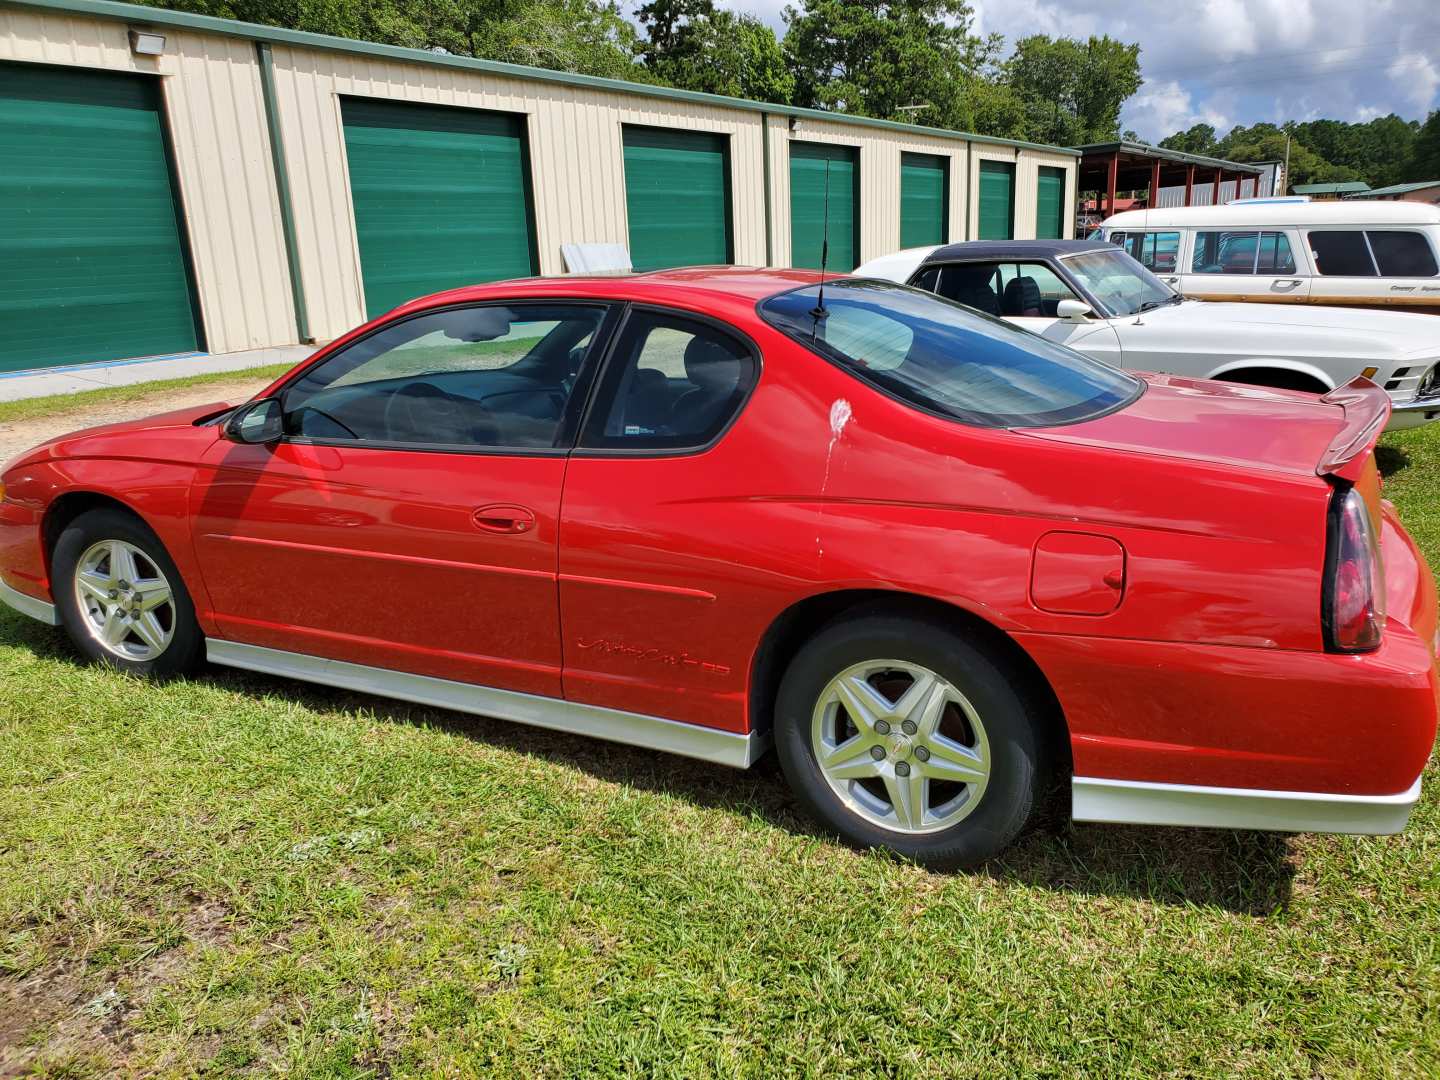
[1353, 611]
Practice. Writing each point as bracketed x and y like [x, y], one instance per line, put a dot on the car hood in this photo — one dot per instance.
[1222, 423]
[1398, 331]
[170, 436]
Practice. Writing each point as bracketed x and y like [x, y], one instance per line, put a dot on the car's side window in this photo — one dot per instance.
[1031, 290]
[975, 285]
[484, 376]
[671, 383]
[1154, 250]
[1341, 253]
[1401, 253]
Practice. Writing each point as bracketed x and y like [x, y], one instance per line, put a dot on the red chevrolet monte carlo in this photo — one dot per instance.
[939, 562]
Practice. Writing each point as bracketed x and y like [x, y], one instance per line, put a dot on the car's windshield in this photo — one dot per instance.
[947, 358]
[1120, 283]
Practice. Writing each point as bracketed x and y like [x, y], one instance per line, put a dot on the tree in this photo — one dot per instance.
[587, 36]
[1073, 90]
[1197, 139]
[1424, 163]
[697, 46]
[1267, 142]
[872, 57]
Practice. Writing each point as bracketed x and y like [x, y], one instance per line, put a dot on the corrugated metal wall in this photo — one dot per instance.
[215, 108]
[215, 113]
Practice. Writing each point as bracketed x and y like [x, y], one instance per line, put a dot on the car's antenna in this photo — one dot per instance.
[818, 312]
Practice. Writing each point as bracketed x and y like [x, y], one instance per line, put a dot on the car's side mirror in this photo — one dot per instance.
[1073, 310]
[256, 423]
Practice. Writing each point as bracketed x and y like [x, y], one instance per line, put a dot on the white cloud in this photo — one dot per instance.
[1417, 77]
[1161, 108]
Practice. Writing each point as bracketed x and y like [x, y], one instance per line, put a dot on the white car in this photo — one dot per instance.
[1091, 296]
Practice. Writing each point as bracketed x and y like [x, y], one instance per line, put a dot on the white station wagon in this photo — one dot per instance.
[1093, 297]
[1357, 252]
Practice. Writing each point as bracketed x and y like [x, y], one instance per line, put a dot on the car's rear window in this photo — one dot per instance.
[949, 359]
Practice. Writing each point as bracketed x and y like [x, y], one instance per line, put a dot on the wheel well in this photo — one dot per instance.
[67, 508]
[800, 622]
[1276, 378]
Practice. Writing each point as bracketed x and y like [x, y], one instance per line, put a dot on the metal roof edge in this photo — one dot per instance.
[1124, 145]
[209, 24]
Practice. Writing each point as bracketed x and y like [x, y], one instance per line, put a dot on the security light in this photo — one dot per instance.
[146, 42]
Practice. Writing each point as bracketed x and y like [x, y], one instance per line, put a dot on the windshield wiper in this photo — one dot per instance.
[1151, 305]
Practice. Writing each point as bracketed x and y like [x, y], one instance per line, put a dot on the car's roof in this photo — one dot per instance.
[1014, 249]
[748, 283]
[1340, 212]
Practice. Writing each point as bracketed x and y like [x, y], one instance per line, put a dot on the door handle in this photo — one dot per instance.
[1286, 283]
[1170, 280]
[504, 518]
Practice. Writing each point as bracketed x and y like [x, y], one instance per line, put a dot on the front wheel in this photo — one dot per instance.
[900, 733]
[121, 598]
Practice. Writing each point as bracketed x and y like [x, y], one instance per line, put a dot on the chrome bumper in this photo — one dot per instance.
[28, 605]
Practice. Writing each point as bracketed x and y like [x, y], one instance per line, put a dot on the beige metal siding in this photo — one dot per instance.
[576, 160]
[879, 179]
[215, 106]
[1027, 190]
[211, 89]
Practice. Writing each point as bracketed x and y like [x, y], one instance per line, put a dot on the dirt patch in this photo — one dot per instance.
[18, 436]
[63, 1014]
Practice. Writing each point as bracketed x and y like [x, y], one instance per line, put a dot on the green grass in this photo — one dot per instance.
[242, 876]
[61, 404]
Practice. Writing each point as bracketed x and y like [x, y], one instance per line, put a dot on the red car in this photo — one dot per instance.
[941, 563]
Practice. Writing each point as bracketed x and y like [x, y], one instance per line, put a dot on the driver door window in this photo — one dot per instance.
[489, 376]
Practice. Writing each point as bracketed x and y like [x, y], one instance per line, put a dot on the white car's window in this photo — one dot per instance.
[1341, 253]
[1402, 254]
[1156, 251]
[1119, 283]
[1241, 252]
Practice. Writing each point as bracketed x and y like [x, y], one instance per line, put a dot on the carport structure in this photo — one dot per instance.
[1110, 167]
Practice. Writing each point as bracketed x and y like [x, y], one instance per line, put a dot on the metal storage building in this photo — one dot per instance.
[175, 183]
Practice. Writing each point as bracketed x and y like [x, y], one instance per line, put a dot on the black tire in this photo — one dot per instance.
[1011, 714]
[185, 649]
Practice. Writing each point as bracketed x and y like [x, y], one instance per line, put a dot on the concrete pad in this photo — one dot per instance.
[48, 382]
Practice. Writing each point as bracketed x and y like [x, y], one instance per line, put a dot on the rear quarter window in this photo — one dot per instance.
[948, 359]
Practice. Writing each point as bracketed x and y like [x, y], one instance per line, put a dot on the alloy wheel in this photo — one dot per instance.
[901, 746]
[125, 600]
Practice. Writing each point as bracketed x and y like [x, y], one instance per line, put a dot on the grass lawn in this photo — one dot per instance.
[243, 876]
[60, 404]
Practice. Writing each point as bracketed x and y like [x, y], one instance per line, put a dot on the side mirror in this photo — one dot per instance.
[256, 423]
[1073, 310]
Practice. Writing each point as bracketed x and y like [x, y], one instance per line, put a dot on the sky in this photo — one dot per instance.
[1228, 62]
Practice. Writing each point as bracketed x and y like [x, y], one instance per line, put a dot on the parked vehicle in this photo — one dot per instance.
[938, 561]
[1092, 297]
[1355, 252]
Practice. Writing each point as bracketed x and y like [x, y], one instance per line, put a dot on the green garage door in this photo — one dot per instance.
[441, 198]
[997, 200]
[808, 165]
[1050, 204]
[677, 198]
[924, 200]
[92, 266]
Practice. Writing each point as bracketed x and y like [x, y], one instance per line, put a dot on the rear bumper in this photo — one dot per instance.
[1139, 803]
[1185, 733]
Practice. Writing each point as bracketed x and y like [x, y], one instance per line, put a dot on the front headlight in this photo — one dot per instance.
[1429, 385]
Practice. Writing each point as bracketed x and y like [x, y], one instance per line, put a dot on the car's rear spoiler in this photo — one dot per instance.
[1367, 410]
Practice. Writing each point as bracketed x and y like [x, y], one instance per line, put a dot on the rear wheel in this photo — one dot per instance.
[121, 598]
[900, 733]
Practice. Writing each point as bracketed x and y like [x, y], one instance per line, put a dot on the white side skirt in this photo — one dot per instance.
[28, 605]
[1139, 803]
[651, 732]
